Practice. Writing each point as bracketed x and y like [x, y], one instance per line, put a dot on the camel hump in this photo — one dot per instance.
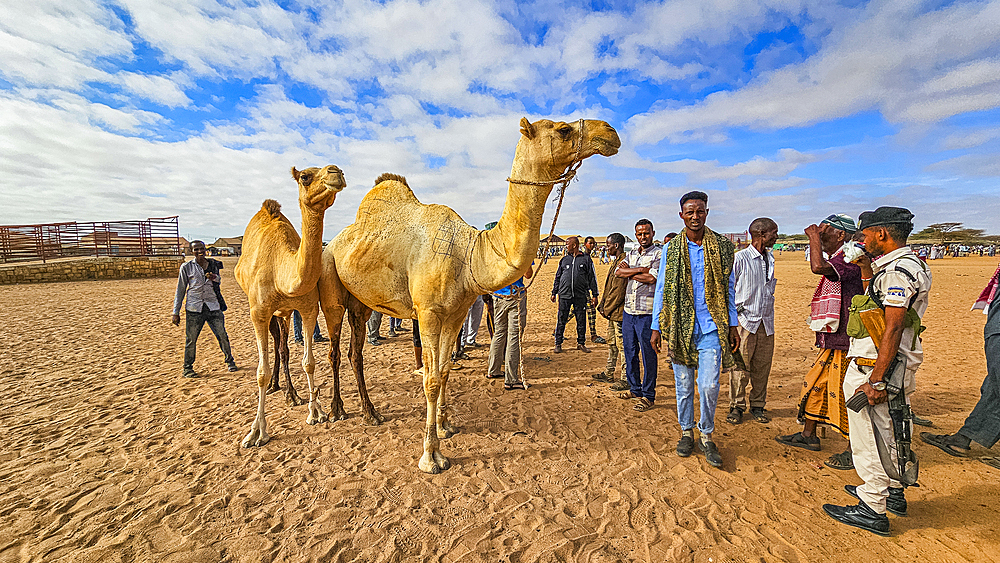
[388, 176]
[272, 207]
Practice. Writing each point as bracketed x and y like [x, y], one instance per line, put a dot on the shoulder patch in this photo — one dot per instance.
[897, 292]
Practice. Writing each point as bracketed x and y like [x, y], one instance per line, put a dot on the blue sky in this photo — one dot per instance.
[790, 109]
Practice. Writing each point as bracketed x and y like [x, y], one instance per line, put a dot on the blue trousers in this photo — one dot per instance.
[297, 327]
[636, 330]
[709, 363]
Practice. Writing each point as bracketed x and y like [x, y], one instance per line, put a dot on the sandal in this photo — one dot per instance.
[620, 386]
[941, 441]
[993, 462]
[843, 461]
[735, 415]
[628, 395]
[799, 441]
[643, 405]
[512, 386]
[758, 414]
[497, 376]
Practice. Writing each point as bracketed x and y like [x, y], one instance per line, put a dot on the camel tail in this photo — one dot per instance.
[272, 207]
[388, 176]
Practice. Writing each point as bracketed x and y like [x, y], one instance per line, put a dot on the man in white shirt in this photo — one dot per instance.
[755, 281]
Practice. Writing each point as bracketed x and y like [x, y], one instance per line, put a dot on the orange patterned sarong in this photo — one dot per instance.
[822, 396]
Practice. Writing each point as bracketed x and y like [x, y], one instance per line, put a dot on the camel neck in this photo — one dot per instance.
[502, 254]
[309, 257]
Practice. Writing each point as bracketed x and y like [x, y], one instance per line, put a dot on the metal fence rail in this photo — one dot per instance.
[156, 236]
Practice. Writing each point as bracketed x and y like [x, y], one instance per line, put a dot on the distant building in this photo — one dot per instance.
[227, 246]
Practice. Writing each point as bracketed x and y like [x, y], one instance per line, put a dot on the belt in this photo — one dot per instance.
[867, 362]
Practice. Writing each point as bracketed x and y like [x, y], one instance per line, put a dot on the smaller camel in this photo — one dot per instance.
[279, 271]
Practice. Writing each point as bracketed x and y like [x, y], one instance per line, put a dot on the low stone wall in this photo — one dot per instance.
[103, 268]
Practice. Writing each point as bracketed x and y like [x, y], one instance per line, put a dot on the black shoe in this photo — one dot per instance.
[232, 366]
[919, 421]
[374, 342]
[188, 372]
[321, 339]
[598, 340]
[603, 377]
[759, 415]
[896, 503]
[393, 333]
[473, 345]
[712, 455]
[859, 516]
[685, 446]
[463, 356]
[800, 441]
[299, 341]
[380, 337]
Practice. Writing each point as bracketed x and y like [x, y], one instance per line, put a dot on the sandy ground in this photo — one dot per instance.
[107, 454]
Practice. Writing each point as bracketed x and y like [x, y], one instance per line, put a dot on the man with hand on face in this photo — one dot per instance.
[640, 268]
[575, 281]
[696, 307]
[198, 281]
[899, 285]
[821, 400]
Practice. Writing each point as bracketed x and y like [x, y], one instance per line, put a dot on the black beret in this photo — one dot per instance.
[884, 216]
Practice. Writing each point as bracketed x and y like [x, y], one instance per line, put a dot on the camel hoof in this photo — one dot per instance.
[316, 418]
[373, 418]
[337, 411]
[447, 431]
[427, 465]
[270, 390]
[293, 400]
[255, 438]
[441, 461]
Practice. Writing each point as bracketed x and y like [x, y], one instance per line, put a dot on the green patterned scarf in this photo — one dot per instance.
[677, 314]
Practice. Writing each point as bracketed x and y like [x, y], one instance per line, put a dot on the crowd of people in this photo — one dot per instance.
[709, 308]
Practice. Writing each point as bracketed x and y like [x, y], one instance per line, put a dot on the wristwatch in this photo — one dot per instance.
[877, 385]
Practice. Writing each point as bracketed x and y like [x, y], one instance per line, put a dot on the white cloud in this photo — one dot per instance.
[905, 64]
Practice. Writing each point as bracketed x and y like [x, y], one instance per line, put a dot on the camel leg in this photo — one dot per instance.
[357, 315]
[444, 426]
[258, 435]
[334, 326]
[316, 414]
[292, 398]
[436, 360]
[274, 327]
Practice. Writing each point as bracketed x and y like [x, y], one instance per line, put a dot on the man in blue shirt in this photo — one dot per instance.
[695, 303]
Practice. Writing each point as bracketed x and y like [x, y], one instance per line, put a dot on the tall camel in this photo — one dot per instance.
[412, 260]
[279, 273]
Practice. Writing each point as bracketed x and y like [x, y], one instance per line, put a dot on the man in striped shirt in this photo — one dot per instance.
[755, 281]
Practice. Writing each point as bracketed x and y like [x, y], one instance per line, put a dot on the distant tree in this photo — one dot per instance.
[942, 231]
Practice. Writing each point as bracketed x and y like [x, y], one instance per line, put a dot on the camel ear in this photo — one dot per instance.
[527, 129]
[295, 174]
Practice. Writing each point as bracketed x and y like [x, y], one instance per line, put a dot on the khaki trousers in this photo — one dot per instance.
[867, 463]
[616, 351]
[505, 349]
[757, 349]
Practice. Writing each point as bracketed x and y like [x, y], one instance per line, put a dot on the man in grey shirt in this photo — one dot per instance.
[199, 281]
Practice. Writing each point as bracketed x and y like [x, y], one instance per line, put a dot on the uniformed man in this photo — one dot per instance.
[900, 281]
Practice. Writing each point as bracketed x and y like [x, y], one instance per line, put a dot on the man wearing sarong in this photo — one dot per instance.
[821, 400]
[983, 424]
[695, 306]
[900, 284]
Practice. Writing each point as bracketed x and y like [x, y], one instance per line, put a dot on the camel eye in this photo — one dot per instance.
[565, 130]
[306, 178]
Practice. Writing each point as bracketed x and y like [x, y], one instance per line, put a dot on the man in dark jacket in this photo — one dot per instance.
[575, 281]
[612, 306]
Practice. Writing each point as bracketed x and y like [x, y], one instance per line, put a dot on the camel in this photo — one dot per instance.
[417, 261]
[279, 272]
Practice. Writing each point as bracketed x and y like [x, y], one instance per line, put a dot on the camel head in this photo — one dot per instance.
[557, 144]
[318, 187]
